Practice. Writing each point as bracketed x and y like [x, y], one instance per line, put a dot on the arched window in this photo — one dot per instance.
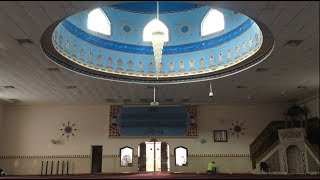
[153, 25]
[212, 22]
[181, 156]
[99, 22]
[126, 155]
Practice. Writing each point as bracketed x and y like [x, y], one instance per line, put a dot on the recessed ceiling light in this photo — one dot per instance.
[9, 87]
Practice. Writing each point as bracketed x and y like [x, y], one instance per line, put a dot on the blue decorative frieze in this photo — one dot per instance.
[148, 50]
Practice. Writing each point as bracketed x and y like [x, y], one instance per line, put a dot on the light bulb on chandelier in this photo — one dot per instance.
[158, 39]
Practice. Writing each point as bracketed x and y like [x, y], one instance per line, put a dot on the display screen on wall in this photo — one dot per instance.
[165, 121]
[126, 155]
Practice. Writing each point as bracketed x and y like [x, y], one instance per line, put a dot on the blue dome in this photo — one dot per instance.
[188, 56]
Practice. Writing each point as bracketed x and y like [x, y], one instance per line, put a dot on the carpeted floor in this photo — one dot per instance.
[165, 176]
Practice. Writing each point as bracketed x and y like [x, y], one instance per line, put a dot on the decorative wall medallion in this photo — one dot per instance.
[68, 129]
[126, 28]
[185, 29]
[237, 129]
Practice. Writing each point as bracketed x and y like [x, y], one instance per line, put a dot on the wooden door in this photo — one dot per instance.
[96, 163]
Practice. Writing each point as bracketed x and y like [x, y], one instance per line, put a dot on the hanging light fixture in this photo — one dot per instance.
[157, 43]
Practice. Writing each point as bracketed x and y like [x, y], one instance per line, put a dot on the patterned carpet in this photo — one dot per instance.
[165, 176]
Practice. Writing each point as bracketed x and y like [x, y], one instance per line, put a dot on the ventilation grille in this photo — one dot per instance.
[53, 69]
[9, 87]
[15, 100]
[293, 43]
[262, 69]
[24, 41]
[242, 87]
[127, 100]
[169, 100]
[185, 100]
[301, 87]
[110, 100]
[71, 87]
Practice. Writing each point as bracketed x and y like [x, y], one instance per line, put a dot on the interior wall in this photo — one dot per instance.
[30, 129]
[312, 105]
[1, 121]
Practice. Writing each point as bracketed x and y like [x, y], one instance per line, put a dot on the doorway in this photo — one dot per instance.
[153, 156]
[294, 160]
[96, 163]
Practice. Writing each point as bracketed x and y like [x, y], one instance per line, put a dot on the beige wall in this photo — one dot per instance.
[1, 121]
[29, 129]
[312, 104]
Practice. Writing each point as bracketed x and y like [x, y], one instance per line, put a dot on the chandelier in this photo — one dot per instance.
[157, 43]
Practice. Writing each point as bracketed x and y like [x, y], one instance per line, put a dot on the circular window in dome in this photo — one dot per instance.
[210, 53]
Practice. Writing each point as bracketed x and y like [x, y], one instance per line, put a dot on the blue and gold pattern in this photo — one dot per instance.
[183, 56]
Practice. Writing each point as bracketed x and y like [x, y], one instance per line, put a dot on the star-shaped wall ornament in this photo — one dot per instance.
[68, 129]
[238, 129]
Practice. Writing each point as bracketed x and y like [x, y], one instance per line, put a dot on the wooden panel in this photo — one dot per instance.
[142, 158]
[164, 157]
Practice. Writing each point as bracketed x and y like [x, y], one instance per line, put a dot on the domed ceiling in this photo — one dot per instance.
[118, 52]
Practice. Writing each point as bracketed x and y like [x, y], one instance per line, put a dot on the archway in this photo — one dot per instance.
[294, 160]
[153, 156]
